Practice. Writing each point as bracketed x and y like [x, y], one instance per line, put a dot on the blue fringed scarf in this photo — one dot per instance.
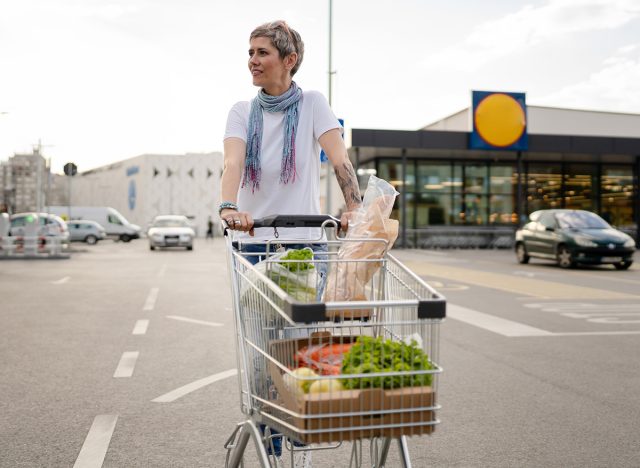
[287, 102]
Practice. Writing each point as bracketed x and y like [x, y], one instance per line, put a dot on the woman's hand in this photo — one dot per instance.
[238, 220]
[345, 220]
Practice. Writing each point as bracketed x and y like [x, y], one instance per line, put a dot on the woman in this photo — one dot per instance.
[272, 152]
[272, 145]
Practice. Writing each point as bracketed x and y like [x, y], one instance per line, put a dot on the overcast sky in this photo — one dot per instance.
[98, 81]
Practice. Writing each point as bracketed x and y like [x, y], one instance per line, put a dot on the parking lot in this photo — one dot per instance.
[129, 354]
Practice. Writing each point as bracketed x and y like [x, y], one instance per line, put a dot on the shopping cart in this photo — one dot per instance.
[320, 368]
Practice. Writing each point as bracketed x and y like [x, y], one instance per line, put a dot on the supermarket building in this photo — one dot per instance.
[453, 195]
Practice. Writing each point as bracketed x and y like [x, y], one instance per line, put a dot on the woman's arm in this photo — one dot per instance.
[333, 145]
[234, 154]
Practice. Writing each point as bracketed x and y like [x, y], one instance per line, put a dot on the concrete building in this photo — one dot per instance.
[23, 182]
[153, 184]
[450, 190]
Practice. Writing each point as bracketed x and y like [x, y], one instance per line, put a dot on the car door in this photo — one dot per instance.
[529, 237]
[548, 234]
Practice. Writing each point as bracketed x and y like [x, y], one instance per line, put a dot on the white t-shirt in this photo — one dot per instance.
[301, 196]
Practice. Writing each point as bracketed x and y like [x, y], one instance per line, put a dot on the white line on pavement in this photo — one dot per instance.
[162, 270]
[622, 332]
[61, 280]
[97, 442]
[199, 322]
[492, 323]
[193, 386]
[512, 329]
[127, 364]
[141, 327]
[150, 303]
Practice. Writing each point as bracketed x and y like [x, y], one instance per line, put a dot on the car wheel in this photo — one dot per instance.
[91, 240]
[151, 247]
[623, 265]
[125, 238]
[521, 253]
[565, 258]
[190, 247]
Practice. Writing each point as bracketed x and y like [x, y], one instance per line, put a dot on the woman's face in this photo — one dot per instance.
[268, 70]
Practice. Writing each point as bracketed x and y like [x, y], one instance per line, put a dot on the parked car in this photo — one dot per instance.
[85, 230]
[114, 223]
[50, 225]
[170, 231]
[572, 237]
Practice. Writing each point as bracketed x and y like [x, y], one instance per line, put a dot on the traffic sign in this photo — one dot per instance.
[70, 169]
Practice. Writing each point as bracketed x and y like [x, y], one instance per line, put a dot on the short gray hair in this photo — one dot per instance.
[284, 38]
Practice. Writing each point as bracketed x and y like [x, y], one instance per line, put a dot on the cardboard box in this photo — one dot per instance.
[328, 411]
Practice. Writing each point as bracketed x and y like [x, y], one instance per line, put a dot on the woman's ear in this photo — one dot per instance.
[291, 60]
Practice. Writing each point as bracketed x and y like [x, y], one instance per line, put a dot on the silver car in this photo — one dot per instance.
[50, 225]
[85, 230]
[170, 231]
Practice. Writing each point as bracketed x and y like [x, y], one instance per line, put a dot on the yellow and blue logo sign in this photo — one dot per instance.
[499, 121]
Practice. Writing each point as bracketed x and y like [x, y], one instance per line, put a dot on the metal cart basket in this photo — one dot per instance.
[332, 349]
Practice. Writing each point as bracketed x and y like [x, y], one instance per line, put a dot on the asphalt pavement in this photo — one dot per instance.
[123, 357]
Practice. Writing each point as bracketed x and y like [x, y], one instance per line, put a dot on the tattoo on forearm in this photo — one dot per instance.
[349, 184]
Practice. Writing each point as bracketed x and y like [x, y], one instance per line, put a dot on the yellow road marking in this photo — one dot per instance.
[514, 284]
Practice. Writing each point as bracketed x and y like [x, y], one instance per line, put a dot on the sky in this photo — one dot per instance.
[99, 81]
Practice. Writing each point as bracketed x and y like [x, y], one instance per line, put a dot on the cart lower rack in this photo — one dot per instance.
[332, 349]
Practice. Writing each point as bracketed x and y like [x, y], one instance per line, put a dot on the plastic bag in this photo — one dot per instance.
[324, 358]
[347, 280]
[299, 279]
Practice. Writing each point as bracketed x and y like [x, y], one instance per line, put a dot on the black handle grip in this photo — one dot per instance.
[293, 221]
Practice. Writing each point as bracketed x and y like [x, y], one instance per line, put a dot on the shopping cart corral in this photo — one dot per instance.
[351, 357]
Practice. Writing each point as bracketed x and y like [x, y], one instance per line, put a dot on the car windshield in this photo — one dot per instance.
[581, 220]
[170, 223]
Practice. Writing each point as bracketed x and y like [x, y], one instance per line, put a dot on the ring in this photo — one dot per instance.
[236, 221]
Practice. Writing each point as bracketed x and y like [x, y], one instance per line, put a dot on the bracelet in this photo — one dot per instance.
[227, 205]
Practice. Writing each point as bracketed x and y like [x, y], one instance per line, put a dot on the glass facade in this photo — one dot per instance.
[484, 193]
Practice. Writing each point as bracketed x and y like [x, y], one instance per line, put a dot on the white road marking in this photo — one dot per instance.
[512, 329]
[141, 327]
[97, 442]
[61, 280]
[162, 270]
[193, 386]
[528, 274]
[596, 333]
[199, 322]
[127, 364]
[150, 303]
[492, 323]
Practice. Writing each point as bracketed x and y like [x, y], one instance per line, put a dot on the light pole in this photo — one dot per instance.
[331, 72]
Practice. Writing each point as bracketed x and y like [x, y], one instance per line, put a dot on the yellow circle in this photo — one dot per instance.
[500, 120]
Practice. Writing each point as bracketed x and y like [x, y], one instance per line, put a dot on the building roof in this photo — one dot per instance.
[557, 121]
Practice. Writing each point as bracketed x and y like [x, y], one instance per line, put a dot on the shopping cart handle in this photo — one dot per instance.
[294, 221]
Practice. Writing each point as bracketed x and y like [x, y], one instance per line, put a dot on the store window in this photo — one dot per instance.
[543, 187]
[616, 196]
[476, 178]
[439, 186]
[435, 177]
[579, 184]
[391, 171]
[434, 209]
[503, 186]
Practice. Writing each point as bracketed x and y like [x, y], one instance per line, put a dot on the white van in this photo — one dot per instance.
[115, 225]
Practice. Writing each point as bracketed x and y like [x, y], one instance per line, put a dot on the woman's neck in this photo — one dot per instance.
[277, 90]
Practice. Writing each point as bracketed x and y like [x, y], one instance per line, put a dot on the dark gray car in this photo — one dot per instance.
[85, 231]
